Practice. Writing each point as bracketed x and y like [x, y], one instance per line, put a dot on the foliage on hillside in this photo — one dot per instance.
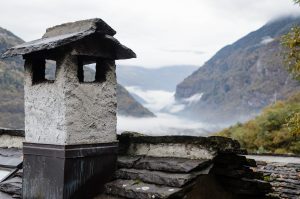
[297, 1]
[291, 42]
[11, 84]
[273, 131]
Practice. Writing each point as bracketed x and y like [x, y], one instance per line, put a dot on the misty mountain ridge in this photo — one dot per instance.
[241, 78]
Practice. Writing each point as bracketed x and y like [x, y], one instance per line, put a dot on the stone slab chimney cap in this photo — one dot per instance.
[70, 32]
[95, 25]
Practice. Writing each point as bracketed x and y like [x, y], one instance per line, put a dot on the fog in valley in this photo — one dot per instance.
[166, 122]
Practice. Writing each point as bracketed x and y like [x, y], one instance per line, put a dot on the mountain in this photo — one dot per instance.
[11, 84]
[164, 78]
[127, 104]
[12, 92]
[240, 79]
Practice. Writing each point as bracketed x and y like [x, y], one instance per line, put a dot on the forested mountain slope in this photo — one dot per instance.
[269, 132]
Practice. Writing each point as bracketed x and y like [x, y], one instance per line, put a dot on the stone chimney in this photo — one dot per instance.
[70, 121]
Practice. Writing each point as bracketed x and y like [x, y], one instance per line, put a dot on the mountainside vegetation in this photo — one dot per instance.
[11, 96]
[11, 84]
[272, 131]
[291, 44]
[12, 91]
[242, 78]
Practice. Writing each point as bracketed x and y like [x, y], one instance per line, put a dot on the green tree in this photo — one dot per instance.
[291, 42]
[297, 1]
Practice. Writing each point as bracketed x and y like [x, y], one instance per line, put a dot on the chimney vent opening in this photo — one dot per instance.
[43, 70]
[92, 71]
[50, 70]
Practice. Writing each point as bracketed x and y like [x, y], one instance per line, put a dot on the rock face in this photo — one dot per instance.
[12, 91]
[8, 39]
[241, 78]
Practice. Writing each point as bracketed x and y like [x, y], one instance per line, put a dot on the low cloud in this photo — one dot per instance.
[165, 124]
[163, 101]
[266, 40]
[155, 100]
[193, 99]
[163, 104]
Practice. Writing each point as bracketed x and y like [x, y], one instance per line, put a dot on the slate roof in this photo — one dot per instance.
[146, 177]
[155, 177]
[284, 178]
[10, 157]
[67, 33]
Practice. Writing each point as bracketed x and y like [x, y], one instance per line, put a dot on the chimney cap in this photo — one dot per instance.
[67, 33]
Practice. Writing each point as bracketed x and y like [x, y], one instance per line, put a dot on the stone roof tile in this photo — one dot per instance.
[170, 164]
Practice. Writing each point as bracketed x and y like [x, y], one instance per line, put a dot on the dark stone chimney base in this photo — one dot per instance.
[67, 171]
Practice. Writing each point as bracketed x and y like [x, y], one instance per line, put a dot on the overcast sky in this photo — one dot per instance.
[161, 32]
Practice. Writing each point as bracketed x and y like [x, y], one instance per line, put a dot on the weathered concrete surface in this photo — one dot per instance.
[67, 111]
[90, 115]
[172, 150]
[44, 108]
[176, 146]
